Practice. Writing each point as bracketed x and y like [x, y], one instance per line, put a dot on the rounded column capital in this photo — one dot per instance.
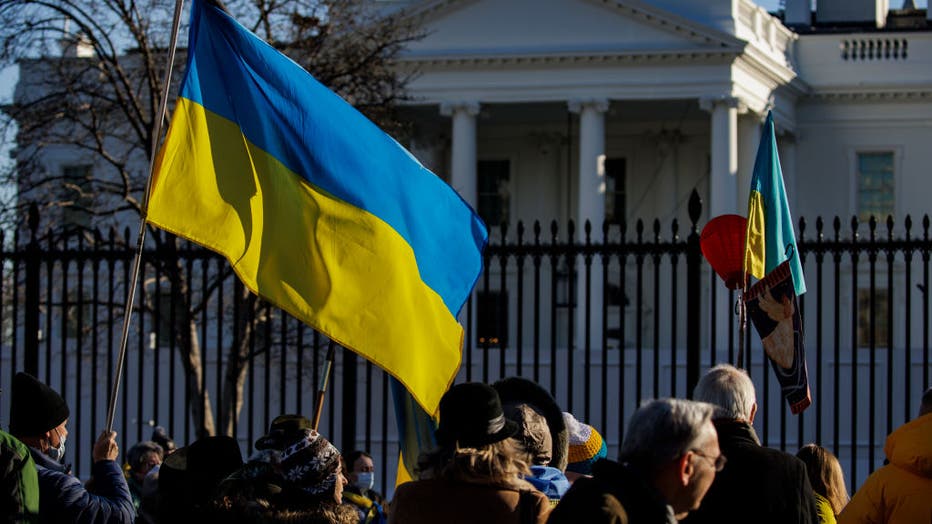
[577, 105]
[469, 107]
[710, 102]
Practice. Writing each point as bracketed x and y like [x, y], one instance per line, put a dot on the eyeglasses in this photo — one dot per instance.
[717, 462]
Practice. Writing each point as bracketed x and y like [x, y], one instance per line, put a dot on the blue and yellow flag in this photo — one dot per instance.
[770, 238]
[416, 432]
[317, 209]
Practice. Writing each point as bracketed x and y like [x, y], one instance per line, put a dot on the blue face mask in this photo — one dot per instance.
[57, 454]
[365, 480]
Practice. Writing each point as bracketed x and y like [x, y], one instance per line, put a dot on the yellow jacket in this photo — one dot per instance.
[826, 515]
[901, 491]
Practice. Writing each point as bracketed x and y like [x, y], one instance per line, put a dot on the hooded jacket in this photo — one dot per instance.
[901, 491]
[19, 485]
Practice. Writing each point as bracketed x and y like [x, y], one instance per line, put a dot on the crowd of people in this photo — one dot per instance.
[505, 453]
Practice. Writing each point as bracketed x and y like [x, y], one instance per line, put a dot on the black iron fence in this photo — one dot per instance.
[602, 318]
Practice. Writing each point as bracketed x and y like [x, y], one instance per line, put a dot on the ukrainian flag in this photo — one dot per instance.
[770, 238]
[416, 432]
[317, 209]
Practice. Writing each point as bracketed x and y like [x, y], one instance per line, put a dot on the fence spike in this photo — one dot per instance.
[553, 231]
[802, 228]
[537, 231]
[33, 220]
[819, 226]
[639, 228]
[675, 229]
[694, 208]
[908, 224]
[854, 227]
[520, 232]
[925, 226]
[504, 228]
[587, 227]
[570, 230]
[890, 226]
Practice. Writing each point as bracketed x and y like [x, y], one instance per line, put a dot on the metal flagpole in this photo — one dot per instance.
[322, 389]
[137, 260]
[742, 327]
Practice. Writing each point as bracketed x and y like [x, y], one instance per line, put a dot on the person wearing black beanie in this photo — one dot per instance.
[39, 418]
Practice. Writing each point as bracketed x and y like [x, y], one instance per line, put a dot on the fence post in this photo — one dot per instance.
[31, 322]
[693, 275]
[349, 411]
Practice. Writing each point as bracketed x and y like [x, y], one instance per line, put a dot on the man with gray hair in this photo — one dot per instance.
[758, 484]
[668, 460]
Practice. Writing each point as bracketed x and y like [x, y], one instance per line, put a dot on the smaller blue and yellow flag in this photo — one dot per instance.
[770, 238]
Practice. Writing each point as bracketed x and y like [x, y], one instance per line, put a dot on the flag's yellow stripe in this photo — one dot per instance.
[318, 257]
[755, 256]
[402, 475]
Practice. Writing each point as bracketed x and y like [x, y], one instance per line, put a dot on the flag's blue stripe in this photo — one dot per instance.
[281, 108]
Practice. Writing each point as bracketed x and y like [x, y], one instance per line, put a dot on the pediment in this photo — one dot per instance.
[491, 28]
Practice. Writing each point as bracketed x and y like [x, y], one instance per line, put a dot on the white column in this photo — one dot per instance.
[463, 156]
[748, 142]
[723, 198]
[590, 205]
[723, 188]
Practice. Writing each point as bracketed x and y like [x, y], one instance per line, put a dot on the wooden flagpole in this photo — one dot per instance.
[141, 239]
[324, 378]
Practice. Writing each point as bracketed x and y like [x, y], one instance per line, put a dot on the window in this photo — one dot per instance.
[615, 196]
[76, 199]
[879, 315]
[875, 185]
[492, 328]
[493, 196]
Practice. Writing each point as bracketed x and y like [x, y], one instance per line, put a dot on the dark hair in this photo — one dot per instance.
[138, 453]
[351, 458]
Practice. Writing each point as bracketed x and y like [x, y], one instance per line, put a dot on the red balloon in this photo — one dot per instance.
[722, 243]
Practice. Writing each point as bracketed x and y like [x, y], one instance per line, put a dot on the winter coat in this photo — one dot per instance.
[63, 498]
[431, 501]
[758, 483]
[901, 491]
[19, 484]
[615, 494]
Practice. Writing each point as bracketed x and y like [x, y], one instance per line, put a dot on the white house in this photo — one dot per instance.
[620, 108]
